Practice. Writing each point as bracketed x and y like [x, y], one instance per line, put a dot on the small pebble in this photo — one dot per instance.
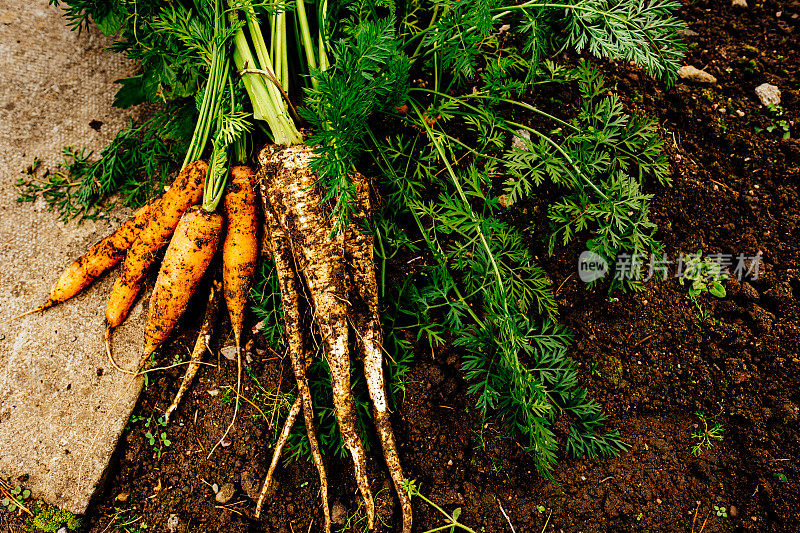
[768, 94]
[658, 501]
[691, 73]
[62, 530]
[213, 392]
[733, 511]
[228, 352]
[215, 488]
[739, 3]
[225, 493]
[173, 522]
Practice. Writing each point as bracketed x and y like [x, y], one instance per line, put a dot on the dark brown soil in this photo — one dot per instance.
[646, 357]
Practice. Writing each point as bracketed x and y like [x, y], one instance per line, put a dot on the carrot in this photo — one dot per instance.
[99, 258]
[188, 255]
[240, 248]
[239, 256]
[186, 190]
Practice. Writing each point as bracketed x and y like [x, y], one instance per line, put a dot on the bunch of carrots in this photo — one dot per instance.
[194, 233]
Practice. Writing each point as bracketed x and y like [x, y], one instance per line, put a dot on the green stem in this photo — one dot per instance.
[453, 521]
[539, 134]
[267, 99]
[305, 34]
[434, 247]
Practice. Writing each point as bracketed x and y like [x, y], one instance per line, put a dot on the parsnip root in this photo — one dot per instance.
[338, 274]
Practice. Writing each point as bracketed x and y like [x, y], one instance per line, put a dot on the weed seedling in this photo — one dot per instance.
[703, 275]
[707, 435]
[127, 523]
[155, 438]
[721, 512]
[452, 518]
[779, 127]
[15, 498]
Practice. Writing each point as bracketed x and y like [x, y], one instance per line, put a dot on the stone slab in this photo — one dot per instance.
[62, 406]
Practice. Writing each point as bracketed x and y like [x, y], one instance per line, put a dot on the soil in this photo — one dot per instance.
[646, 357]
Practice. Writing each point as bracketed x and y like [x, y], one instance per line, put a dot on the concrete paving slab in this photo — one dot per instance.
[62, 406]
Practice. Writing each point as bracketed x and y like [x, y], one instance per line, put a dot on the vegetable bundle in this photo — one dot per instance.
[440, 150]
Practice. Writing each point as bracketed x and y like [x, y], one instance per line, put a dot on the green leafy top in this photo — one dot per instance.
[369, 74]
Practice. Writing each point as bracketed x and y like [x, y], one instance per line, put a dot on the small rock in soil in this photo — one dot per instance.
[228, 352]
[521, 139]
[739, 3]
[338, 513]
[733, 511]
[688, 72]
[687, 33]
[225, 493]
[172, 523]
[768, 94]
[249, 485]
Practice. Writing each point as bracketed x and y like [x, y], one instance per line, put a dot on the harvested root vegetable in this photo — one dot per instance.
[338, 273]
[240, 247]
[101, 257]
[187, 258]
[289, 283]
[239, 256]
[186, 191]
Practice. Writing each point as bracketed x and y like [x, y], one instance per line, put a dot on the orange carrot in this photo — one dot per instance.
[185, 192]
[100, 257]
[239, 255]
[188, 255]
[240, 248]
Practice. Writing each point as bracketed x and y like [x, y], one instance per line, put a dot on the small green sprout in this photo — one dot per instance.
[707, 435]
[16, 499]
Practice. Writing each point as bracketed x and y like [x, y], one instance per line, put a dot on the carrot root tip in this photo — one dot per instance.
[110, 354]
